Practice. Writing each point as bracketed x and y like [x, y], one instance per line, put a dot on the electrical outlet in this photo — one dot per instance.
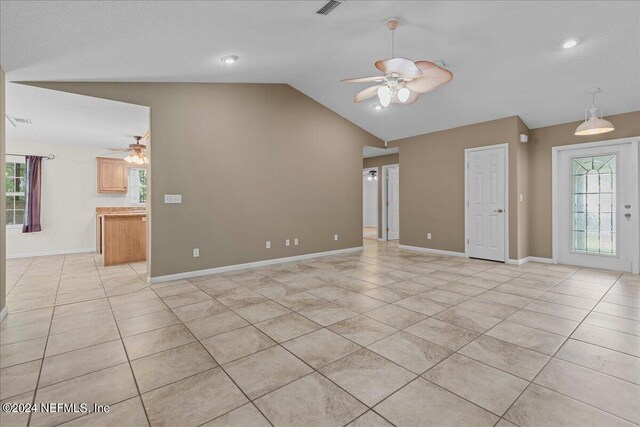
[521, 197]
[428, 236]
[295, 242]
[335, 237]
[268, 244]
[287, 242]
[196, 252]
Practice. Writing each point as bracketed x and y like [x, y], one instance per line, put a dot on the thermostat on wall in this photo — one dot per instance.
[173, 198]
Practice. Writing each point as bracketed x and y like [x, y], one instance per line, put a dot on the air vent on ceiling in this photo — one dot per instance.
[328, 7]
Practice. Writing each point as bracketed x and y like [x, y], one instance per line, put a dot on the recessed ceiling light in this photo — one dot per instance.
[229, 59]
[571, 42]
[377, 107]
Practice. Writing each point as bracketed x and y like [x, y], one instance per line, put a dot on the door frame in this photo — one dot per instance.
[385, 174]
[507, 211]
[634, 142]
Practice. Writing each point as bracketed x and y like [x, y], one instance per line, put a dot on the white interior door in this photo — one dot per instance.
[595, 207]
[393, 203]
[486, 203]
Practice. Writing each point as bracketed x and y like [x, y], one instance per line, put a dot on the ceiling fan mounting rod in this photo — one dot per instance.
[392, 25]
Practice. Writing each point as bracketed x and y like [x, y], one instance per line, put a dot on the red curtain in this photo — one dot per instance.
[34, 181]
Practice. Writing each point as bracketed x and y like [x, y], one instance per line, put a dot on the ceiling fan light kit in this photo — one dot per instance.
[137, 155]
[404, 80]
[593, 123]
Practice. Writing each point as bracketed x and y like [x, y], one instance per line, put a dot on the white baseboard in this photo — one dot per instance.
[542, 260]
[522, 261]
[49, 253]
[432, 251]
[216, 270]
[4, 312]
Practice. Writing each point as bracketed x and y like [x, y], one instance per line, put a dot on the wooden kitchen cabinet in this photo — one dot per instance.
[113, 175]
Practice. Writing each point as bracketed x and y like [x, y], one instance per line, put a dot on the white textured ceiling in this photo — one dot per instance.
[505, 56]
[65, 118]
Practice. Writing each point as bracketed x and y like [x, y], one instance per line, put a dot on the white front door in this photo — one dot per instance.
[393, 203]
[596, 207]
[486, 209]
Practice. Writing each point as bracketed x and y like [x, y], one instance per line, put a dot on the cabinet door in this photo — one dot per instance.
[112, 176]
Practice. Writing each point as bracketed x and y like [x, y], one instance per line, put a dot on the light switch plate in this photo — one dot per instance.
[196, 252]
[268, 244]
[335, 237]
[429, 236]
[173, 198]
[287, 242]
[295, 242]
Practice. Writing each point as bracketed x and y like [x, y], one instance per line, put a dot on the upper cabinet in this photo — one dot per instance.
[112, 175]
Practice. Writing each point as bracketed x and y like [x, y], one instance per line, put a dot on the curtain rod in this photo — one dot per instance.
[49, 157]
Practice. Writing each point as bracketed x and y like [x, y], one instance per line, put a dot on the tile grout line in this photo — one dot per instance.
[44, 352]
[553, 356]
[135, 381]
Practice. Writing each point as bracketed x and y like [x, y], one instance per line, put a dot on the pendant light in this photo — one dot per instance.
[593, 121]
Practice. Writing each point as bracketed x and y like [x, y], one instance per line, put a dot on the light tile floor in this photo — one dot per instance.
[378, 338]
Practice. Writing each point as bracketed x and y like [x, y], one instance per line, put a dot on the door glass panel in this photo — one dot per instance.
[594, 204]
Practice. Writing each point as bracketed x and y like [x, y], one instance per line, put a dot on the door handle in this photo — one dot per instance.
[498, 210]
[627, 215]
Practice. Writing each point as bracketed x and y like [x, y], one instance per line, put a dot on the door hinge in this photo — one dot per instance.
[467, 203]
[467, 241]
[387, 203]
[387, 228]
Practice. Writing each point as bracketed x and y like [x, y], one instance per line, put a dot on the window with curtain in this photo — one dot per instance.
[138, 186]
[15, 186]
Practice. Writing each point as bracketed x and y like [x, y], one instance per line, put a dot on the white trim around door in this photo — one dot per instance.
[505, 148]
[385, 174]
[633, 199]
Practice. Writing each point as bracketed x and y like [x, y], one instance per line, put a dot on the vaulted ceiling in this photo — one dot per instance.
[506, 56]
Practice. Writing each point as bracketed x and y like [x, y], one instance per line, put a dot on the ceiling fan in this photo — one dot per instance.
[403, 80]
[137, 152]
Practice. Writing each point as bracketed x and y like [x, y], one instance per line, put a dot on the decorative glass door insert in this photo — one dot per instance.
[594, 204]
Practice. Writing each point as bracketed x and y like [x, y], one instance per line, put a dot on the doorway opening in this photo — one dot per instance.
[370, 203]
[88, 199]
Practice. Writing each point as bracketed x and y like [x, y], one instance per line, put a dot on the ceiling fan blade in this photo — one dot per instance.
[364, 79]
[413, 97]
[404, 67]
[432, 77]
[118, 149]
[367, 93]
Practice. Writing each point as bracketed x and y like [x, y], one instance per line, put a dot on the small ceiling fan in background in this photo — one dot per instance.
[403, 80]
[137, 151]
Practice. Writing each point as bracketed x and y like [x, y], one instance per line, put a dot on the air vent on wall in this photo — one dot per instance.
[328, 7]
[17, 120]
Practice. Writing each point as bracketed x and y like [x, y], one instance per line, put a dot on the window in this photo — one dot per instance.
[594, 205]
[138, 186]
[15, 184]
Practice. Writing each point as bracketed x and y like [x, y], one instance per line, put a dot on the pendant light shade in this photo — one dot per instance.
[593, 122]
[594, 126]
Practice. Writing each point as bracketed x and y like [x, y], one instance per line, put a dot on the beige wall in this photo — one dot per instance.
[541, 141]
[253, 162]
[432, 183]
[3, 212]
[378, 162]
